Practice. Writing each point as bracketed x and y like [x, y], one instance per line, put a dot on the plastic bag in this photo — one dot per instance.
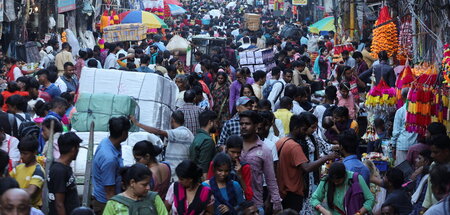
[178, 43]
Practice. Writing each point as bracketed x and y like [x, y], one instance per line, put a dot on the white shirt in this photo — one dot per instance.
[111, 61]
[17, 73]
[61, 85]
[276, 89]
[279, 125]
[180, 99]
[11, 149]
[296, 108]
[270, 142]
[45, 62]
[180, 139]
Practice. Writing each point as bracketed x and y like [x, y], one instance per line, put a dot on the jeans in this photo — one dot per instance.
[293, 201]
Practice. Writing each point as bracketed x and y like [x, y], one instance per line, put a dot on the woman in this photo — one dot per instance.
[136, 199]
[12, 70]
[420, 178]
[235, 89]
[342, 120]
[337, 188]
[188, 196]
[322, 64]
[247, 90]
[145, 153]
[227, 193]
[348, 76]
[346, 98]
[220, 91]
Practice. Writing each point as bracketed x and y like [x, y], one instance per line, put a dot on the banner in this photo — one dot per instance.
[66, 5]
[299, 2]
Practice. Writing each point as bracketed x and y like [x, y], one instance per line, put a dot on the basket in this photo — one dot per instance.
[125, 32]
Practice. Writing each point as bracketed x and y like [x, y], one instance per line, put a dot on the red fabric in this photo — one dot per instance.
[10, 74]
[246, 177]
[6, 94]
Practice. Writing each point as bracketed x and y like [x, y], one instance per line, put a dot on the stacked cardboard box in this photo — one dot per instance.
[252, 21]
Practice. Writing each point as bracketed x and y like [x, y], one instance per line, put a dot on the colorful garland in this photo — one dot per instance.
[446, 65]
[384, 34]
[405, 79]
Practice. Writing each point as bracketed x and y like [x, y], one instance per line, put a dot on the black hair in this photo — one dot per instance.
[198, 90]
[145, 59]
[246, 40]
[146, 147]
[336, 171]
[28, 144]
[92, 63]
[276, 71]
[24, 79]
[298, 63]
[267, 117]
[189, 96]
[440, 177]
[395, 177]
[189, 169]
[68, 141]
[118, 125]
[206, 116]
[426, 153]
[264, 103]
[59, 102]
[41, 108]
[13, 86]
[436, 128]
[258, 75]
[302, 120]
[341, 111]
[383, 55]
[33, 83]
[357, 55]
[252, 115]
[57, 126]
[4, 161]
[286, 71]
[65, 45]
[82, 54]
[290, 90]
[82, 211]
[246, 86]
[286, 102]
[18, 101]
[7, 183]
[348, 139]
[345, 52]
[178, 117]
[137, 172]
[344, 86]
[159, 59]
[52, 75]
[234, 141]
[221, 159]
[378, 122]
[244, 205]
[441, 142]
[68, 97]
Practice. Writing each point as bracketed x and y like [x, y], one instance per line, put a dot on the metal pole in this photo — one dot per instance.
[48, 164]
[352, 19]
[87, 177]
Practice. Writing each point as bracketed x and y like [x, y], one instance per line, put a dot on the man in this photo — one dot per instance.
[232, 126]
[159, 65]
[367, 56]
[107, 161]
[153, 54]
[33, 92]
[245, 43]
[278, 86]
[349, 144]
[63, 57]
[284, 113]
[9, 144]
[202, 149]
[29, 174]
[17, 201]
[190, 111]
[7, 120]
[263, 130]
[182, 83]
[111, 59]
[120, 50]
[396, 195]
[348, 61]
[293, 163]
[17, 105]
[381, 70]
[328, 104]
[440, 178]
[361, 65]
[62, 188]
[253, 41]
[157, 42]
[68, 82]
[46, 85]
[300, 97]
[260, 79]
[402, 139]
[260, 159]
[179, 139]
[145, 61]
[298, 66]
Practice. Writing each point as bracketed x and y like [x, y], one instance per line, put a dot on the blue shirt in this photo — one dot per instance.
[352, 163]
[52, 90]
[223, 191]
[402, 138]
[145, 69]
[105, 169]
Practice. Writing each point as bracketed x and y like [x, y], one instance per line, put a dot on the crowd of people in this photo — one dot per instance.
[283, 141]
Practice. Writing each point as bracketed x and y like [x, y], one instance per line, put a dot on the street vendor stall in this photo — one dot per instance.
[125, 32]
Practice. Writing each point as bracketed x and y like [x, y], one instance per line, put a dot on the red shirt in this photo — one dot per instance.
[6, 94]
[246, 177]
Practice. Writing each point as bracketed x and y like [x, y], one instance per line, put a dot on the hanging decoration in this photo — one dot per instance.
[384, 34]
[446, 65]
[380, 102]
[405, 78]
[405, 40]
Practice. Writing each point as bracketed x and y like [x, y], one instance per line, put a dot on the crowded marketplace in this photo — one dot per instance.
[225, 107]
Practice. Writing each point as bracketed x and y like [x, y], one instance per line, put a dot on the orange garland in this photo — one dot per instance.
[384, 34]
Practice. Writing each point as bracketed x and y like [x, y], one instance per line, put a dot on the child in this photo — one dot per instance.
[346, 99]
[330, 133]
[29, 174]
[228, 193]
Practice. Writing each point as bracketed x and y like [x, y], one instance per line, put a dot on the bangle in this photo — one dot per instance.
[358, 213]
[318, 207]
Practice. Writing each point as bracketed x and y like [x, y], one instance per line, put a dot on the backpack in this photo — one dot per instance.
[329, 110]
[144, 206]
[27, 127]
[354, 197]
[268, 89]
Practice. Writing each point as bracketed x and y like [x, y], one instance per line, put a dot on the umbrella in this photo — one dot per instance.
[176, 10]
[175, 2]
[148, 19]
[231, 5]
[215, 13]
[325, 24]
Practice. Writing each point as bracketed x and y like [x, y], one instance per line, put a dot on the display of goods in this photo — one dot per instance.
[375, 156]
[420, 102]
[99, 108]
[381, 96]
[338, 49]
[424, 68]
[384, 34]
[125, 32]
[155, 94]
[405, 78]
[446, 64]
[405, 40]
[178, 43]
[252, 21]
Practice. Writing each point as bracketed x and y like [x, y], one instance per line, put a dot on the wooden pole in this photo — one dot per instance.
[352, 19]
[48, 163]
[87, 177]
